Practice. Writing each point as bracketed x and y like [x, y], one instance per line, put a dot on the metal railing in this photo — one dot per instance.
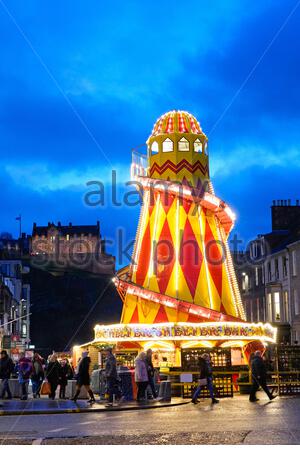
[139, 164]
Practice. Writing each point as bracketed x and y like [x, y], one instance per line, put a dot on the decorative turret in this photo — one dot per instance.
[177, 149]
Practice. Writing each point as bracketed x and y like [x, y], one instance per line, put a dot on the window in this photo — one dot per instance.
[276, 269]
[284, 266]
[198, 146]
[286, 305]
[68, 237]
[277, 305]
[269, 272]
[205, 148]
[294, 265]
[24, 330]
[183, 145]
[245, 282]
[258, 309]
[256, 276]
[167, 145]
[296, 305]
[154, 148]
[270, 306]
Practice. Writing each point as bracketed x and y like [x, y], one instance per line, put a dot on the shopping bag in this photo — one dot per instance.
[45, 388]
[202, 382]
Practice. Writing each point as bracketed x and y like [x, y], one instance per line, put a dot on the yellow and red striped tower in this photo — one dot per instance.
[181, 269]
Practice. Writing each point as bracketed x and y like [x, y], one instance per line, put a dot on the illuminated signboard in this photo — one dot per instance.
[185, 331]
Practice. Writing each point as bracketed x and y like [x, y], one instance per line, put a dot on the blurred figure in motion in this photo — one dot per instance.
[83, 378]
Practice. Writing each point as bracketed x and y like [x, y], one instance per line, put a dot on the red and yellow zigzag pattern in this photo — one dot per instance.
[175, 168]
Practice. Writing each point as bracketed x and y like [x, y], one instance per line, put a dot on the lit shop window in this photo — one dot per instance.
[167, 145]
[183, 145]
[277, 305]
[198, 146]
[154, 148]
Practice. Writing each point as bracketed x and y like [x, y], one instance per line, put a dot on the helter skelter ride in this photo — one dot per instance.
[180, 291]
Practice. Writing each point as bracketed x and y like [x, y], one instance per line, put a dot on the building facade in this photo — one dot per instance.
[75, 246]
[14, 306]
[269, 273]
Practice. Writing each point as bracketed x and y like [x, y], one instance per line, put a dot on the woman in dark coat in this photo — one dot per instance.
[83, 378]
[66, 373]
[52, 374]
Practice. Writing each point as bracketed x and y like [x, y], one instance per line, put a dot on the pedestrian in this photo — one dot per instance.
[83, 378]
[206, 379]
[111, 376]
[6, 369]
[52, 374]
[151, 372]
[24, 369]
[37, 375]
[259, 377]
[141, 376]
[66, 373]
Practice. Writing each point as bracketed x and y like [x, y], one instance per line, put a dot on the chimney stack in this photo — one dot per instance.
[70, 224]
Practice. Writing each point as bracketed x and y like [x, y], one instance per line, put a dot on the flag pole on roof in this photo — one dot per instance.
[19, 218]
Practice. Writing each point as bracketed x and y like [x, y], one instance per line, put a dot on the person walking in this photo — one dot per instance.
[83, 378]
[66, 373]
[37, 375]
[6, 369]
[206, 379]
[151, 372]
[52, 374]
[24, 369]
[111, 376]
[259, 377]
[141, 376]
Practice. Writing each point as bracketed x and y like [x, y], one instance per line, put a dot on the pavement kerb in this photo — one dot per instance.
[89, 410]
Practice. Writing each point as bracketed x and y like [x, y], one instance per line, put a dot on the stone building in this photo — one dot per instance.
[71, 246]
[269, 273]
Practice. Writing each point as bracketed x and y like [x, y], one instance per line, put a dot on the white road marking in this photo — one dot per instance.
[87, 422]
[37, 442]
[57, 430]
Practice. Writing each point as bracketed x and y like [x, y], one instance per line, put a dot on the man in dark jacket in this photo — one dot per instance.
[111, 376]
[205, 379]
[151, 372]
[6, 369]
[259, 377]
[24, 368]
[83, 378]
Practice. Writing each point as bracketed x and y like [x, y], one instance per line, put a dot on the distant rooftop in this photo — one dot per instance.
[68, 229]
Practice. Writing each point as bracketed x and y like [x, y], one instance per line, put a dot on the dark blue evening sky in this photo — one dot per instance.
[82, 82]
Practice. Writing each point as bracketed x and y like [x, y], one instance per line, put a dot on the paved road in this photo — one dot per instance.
[232, 421]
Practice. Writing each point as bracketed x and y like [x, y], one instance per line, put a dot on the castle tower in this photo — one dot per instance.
[181, 268]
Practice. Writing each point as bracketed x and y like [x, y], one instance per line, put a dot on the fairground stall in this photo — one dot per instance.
[180, 293]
